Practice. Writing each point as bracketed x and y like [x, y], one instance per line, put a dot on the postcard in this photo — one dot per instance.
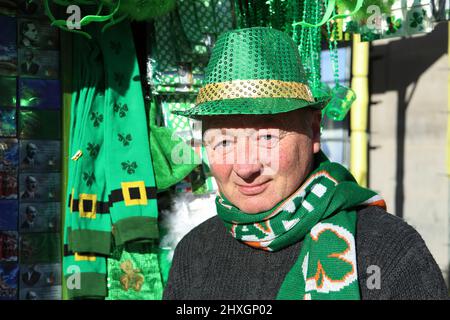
[40, 155]
[38, 248]
[42, 293]
[8, 7]
[40, 217]
[9, 274]
[30, 8]
[8, 46]
[9, 154]
[32, 33]
[8, 184]
[8, 168]
[40, 124]
[9, 210]
[39, 187]
[8, 92]
[8, 126]
[8, 246]
[43, 64]
[37, 93]
[40, 275]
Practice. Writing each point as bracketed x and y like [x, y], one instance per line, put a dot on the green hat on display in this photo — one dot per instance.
[254, 71]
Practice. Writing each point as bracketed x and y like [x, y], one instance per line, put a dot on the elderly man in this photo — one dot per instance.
[290, 224]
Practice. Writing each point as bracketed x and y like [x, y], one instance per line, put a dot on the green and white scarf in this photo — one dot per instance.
[322, 213]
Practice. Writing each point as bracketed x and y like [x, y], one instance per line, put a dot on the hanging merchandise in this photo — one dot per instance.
[342, 97]
[182, 43]
[141, 10]
[397, 18]
[104, 12]
[199, 181]
[330, 12]
[308, 35]
[172, 158]
[111, 187]
[134, 273]
[277, 14]
[181, 46]
[308, 39]
[340, 103]
[251, 13]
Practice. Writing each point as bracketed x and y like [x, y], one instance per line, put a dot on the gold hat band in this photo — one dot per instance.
[260, 88]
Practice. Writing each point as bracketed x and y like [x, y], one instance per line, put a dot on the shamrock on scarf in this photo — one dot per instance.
[93, 149]
[328, 263]
[121, 109]
[130, 167]
[97, 118]
[125, 139]
[89, 178]
[132, 277]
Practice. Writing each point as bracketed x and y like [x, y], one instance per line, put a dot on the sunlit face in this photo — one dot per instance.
[258, 161]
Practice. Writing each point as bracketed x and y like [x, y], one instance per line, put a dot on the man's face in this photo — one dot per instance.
[29, 56]
[31, 32]
[31, 213]
[31, 184]
[31, 150]
[272, 159]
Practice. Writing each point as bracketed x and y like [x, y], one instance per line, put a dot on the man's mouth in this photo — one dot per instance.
[253, 189]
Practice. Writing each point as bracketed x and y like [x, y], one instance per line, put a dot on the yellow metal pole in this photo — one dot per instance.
[448, 106]
[359, 111]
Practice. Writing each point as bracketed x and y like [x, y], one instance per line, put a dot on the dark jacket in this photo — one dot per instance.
[209, 264]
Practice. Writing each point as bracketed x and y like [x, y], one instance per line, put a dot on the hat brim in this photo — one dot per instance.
[256, 106]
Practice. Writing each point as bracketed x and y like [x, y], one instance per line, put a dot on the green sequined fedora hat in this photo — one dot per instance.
[253, 71]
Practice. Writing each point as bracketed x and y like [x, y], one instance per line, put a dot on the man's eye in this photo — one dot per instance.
[223, 144]
[268, 140]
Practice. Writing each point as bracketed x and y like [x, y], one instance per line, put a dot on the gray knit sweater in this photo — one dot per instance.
[209, 264]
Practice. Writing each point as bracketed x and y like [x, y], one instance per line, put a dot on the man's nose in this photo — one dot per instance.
[247, 165]
[248, 171]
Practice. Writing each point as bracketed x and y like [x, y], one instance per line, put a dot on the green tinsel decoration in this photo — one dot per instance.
[363, 14]
[110, 12]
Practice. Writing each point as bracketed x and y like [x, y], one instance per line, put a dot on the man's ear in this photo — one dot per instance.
[315, 123]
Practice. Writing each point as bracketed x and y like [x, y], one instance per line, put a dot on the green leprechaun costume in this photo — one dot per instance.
[258, 71]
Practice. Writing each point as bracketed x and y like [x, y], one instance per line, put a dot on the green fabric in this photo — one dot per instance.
[182, 41]
[134, 273]
[165, 263]
[258, 53]
[162, 143]
[114, 174]
[84, 240]
[136, 228]
[199, 181]
[321, 213]
[249, 106]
